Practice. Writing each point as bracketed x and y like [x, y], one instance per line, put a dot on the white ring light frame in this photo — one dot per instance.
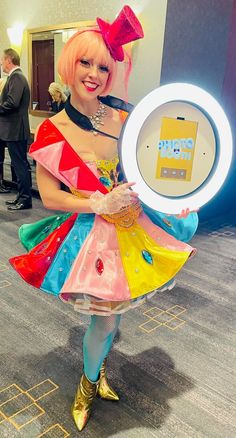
[128, 150]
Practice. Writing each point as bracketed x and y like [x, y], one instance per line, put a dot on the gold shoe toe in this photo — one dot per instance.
[81, 407]
[105, 391]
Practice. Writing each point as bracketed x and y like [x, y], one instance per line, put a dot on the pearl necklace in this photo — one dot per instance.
[97, 118]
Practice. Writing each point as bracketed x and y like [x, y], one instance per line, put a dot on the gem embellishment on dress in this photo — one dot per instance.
[97, 118]
[168, 223]
[147, 257]
[105, 181]
[39, 250]
[99, 266]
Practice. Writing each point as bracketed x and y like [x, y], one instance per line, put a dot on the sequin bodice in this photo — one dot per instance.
[109, 172]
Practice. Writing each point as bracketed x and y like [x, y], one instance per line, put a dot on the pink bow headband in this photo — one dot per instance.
[123, 30]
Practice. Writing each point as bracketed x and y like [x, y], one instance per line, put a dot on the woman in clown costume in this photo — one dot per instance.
[107, 253]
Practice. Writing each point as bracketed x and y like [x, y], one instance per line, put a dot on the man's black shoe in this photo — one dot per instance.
[4, 189]
[12, 201]
[19, 206]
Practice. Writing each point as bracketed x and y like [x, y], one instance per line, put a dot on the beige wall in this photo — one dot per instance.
[147, 53]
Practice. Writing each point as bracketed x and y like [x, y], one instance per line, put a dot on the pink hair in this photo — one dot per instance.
[88, 43]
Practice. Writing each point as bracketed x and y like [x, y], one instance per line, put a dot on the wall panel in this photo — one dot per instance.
[195, 45]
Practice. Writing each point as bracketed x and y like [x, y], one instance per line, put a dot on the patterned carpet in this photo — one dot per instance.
[173, 362]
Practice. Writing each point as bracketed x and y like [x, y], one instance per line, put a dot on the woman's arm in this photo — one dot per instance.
[54, 198]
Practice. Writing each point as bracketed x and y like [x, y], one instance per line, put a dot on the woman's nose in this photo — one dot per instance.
[93, 71]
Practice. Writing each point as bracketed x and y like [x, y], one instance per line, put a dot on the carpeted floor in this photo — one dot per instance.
[173, 362]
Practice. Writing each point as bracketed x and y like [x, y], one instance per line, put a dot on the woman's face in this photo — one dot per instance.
[56, 96]
[90, 78]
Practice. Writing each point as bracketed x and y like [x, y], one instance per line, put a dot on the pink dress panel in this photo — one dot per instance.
[102, 244]
[161, 237]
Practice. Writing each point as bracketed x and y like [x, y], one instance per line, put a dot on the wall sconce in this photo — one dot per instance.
[15, 35]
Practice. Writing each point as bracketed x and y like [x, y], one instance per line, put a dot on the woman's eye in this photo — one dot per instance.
[103, 68]
[84, 63]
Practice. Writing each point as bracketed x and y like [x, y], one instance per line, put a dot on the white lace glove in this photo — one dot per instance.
[113, 201]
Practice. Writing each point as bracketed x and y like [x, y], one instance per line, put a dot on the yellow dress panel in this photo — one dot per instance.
[144, 277]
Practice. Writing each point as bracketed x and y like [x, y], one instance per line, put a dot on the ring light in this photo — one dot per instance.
[208, 107]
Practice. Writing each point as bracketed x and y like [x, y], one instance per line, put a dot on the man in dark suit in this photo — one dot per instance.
[14, 126]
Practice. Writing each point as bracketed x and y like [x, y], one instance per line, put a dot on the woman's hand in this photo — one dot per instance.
[113, 201]
[185, 212]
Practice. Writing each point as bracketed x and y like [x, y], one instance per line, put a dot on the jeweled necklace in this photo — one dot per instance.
[83, 121]
[97, 118]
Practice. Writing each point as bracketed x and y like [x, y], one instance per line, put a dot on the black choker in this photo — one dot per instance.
[81, 120]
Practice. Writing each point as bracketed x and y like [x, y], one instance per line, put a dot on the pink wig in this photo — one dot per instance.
[88, 44]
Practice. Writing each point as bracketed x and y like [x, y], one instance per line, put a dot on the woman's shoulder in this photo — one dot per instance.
[50, 126]
[59, 117]
[60, 120]
[118, 116]
[47, 133]
[117, 103]
[119, 108]
[49, 144]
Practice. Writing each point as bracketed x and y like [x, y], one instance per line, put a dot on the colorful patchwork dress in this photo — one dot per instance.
[99, 264]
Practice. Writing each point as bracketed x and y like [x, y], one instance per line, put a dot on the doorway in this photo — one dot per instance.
[43, 72]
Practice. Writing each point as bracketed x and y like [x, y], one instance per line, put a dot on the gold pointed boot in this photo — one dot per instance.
[104, 389]
[81, 408]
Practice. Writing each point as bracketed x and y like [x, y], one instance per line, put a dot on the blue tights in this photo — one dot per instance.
[97, 343]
